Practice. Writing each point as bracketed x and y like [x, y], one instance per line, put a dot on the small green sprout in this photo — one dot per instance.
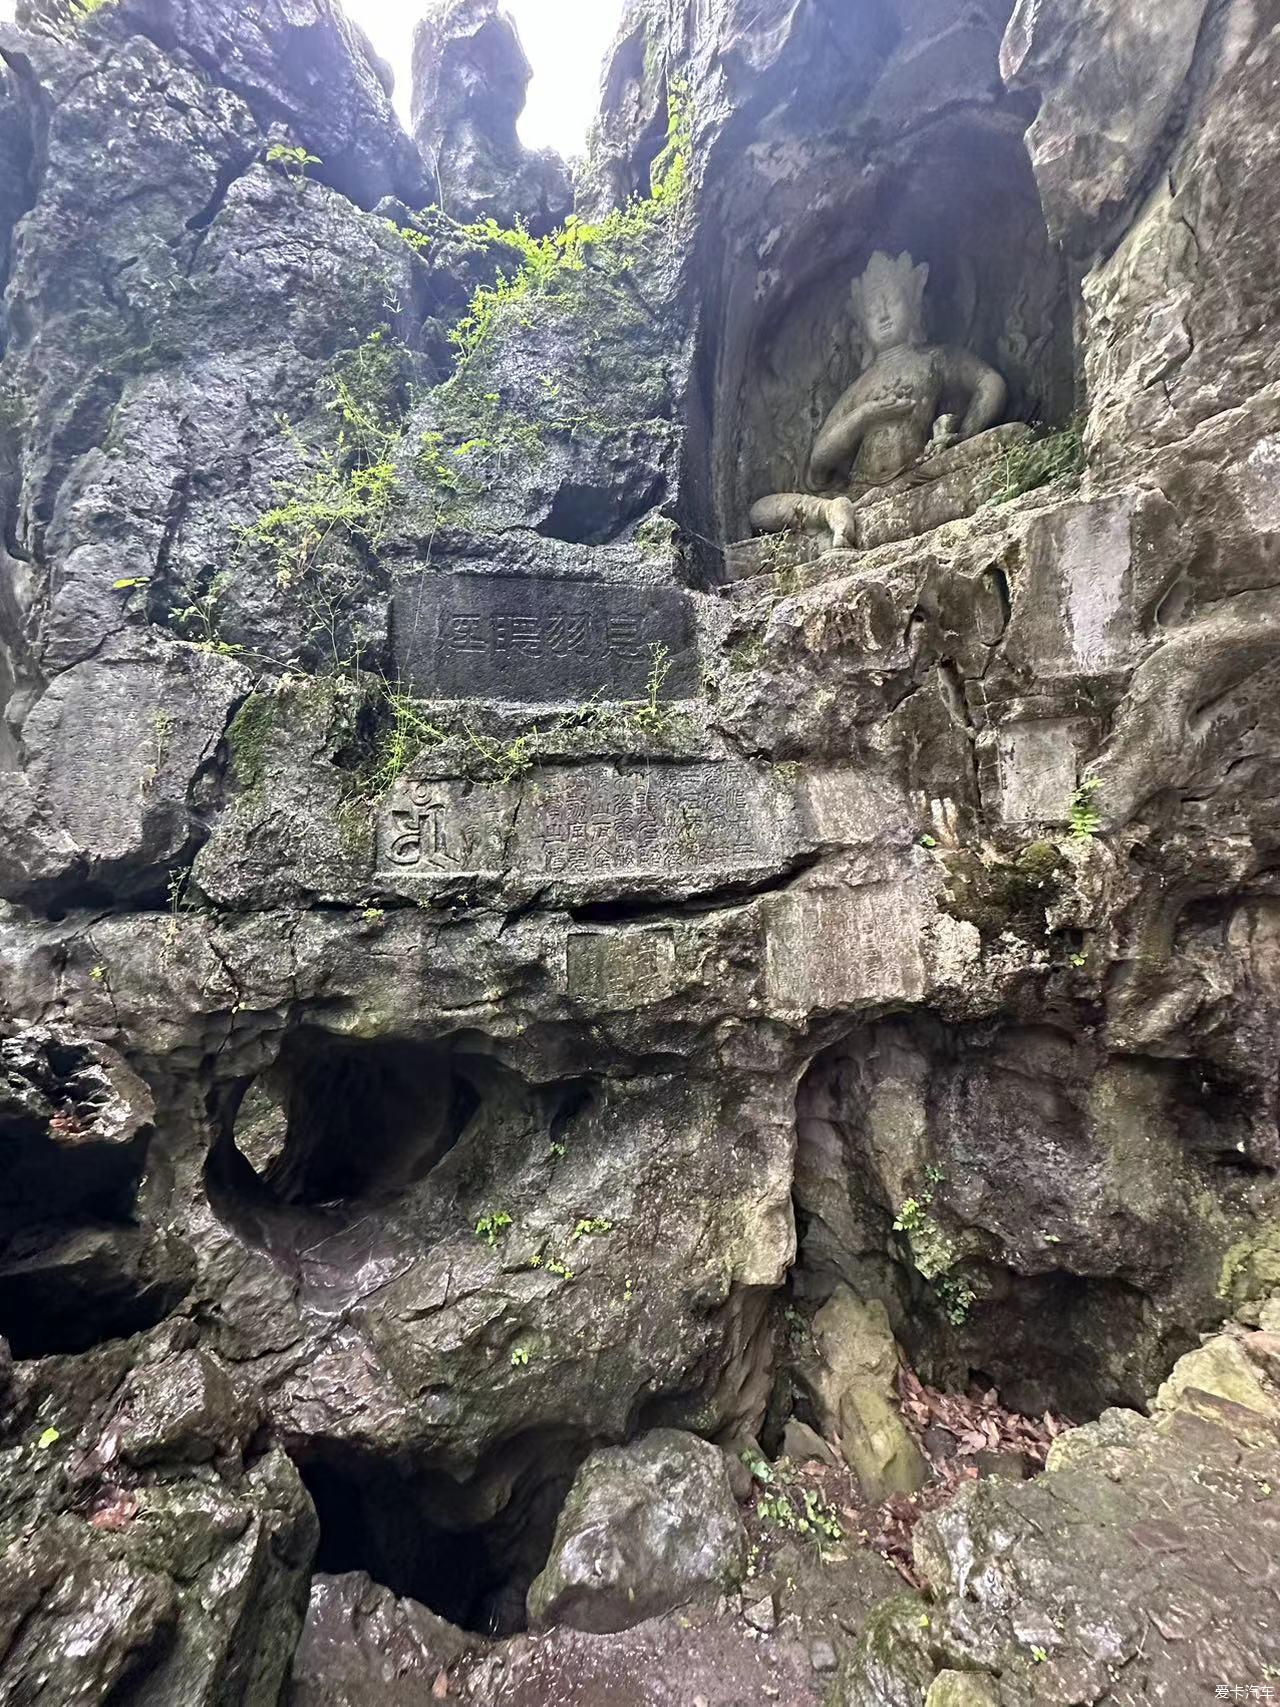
[595, 1224]
[491, 1227]
[293, 162]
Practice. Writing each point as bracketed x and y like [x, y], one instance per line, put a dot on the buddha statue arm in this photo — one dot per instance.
[844, 430]
[987, 391]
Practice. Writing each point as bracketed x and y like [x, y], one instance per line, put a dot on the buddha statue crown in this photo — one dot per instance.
[902, 282]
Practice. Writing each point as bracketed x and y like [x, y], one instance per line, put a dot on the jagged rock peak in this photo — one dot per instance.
[470, 78]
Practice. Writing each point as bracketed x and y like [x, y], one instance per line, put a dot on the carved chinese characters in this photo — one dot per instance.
[539, 638]
[583, 823]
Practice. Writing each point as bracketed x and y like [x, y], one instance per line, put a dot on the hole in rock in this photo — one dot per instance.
[427, 1538]
[77, 1263]
[585, 514]
[336, 1118]
[978, 1179]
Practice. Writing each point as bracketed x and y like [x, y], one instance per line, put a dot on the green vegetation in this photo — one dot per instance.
[746, 654]
[293, 162]
[1040, 460]
[999, 895]
[651, 715]
[933, 1250]
[346, 491]
[331, 517]
[405, 733]
[507, 763]
[199, 620]
[519, 1356]
[73, 14]
[648, 716]
[784, 1504]
[179, 901]
[594, 1224]
[911, 1217]
[162, 725]
[581, 278]
[336, 509]
[492, 1226]
[1086, 820]
[956, 1296]
[548, 262]
[247, 740]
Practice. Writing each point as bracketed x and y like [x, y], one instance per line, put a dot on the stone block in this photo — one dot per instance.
[838, 948]
[586, 822]
[540, 639]
[953, 484]
[1037, 765]
[646, 1528]
[1073, 606]
[631, 967]
[855, 1394]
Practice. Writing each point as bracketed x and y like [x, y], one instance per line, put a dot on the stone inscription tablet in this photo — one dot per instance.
[584, 823]
[537, 638]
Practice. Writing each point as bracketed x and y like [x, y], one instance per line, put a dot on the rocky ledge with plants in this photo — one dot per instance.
[612, 1088]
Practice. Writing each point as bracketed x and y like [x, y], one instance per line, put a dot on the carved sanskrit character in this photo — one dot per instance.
[896, 411]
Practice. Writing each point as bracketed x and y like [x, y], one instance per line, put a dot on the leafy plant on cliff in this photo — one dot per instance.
[1040, 460]
[933, 1250]
[1086, 820]
[547, 263]
[509, 762]
[337, 507]
[492, 1226]
[72, 13]
[292, 161]
[651, 715]
[475, 447]
[405, 732]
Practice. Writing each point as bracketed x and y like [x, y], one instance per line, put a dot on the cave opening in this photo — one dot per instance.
[337, 1119]
[994, 1185]
[78, 1265]
[427, 1538]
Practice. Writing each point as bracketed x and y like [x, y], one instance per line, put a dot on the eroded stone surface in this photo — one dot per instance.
[1165, 1529]
[645, 1529]
[489, 1070]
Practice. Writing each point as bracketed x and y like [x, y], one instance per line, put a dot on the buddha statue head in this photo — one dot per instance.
[888, 301]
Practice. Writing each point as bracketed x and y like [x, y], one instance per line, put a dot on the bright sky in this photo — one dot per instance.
[565, 40]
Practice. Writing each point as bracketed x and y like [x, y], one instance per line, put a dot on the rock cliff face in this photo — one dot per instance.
[502, 973]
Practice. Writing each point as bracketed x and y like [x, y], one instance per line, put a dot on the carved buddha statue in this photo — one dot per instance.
[913, 399]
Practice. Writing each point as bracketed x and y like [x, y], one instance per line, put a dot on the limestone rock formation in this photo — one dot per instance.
[855, 1395]
[1154, 1523]
[470, 75]
[645, 1529]
[500, 967]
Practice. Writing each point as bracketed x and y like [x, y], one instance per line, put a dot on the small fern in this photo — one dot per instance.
[1086, 820]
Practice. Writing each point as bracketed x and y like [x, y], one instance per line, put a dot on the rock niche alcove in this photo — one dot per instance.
[892, 143]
